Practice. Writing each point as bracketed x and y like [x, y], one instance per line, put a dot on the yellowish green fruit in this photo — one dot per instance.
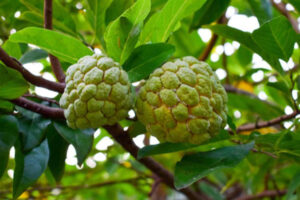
[183, 101]
[97, 93]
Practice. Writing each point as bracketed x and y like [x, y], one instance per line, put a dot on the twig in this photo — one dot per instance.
[121, 137]
[267, 193]
[277, 120]
[264, 152]
[55, 64]
[56, 113]
[41, 98]
[281, 7]
[208, 48]
[35, 80]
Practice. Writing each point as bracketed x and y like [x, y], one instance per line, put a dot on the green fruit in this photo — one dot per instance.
[97, 93]
[183, 101]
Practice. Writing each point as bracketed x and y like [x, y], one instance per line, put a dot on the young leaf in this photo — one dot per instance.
[82, 140]
[144, 59]
[209, 12]
[193, 167]
[63, 46]
[96, 13]
[8, 136]
[58, 150]
[33, 55]
[272, 39]
[262, 10]
[12, 83]
[29, 167]
[122, 34]
[159, 27]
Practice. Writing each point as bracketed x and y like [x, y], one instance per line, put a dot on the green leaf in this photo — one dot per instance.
[296, 4]
[96, 13]
[58, 150]
[144, 59]
[244, 56]
[159, 27]
[60, 19]
[122, 34]
[209, 12]
[6, 106]
[33, 55]
[8, 136]
[82, 140]
[12, 83]
[246, 39]
[167, 147]
[63, 46]
[33, 130]
[298, 81]
[262, 9]
[12, 49]
[271, 37]
[196, 166]
[29, 167]
[280, 85]
[137, 128]
[242, 102]
[295, 183]
[186, 43]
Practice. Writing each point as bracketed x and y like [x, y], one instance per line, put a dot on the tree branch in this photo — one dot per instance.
[55, 64]
[121, 137]
[41, 98]
[208, 48]
[56, 113]
[281, 7]
[277, 120]
[35, 80]
[267, 193]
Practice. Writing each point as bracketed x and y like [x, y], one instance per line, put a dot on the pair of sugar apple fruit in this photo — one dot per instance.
[182, 101]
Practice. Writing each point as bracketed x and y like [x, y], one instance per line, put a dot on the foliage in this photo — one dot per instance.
[258, 151]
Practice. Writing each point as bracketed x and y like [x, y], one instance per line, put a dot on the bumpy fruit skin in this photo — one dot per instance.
[183, 101]
[97, 93]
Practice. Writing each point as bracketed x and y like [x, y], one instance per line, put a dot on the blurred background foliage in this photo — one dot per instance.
[111, 173]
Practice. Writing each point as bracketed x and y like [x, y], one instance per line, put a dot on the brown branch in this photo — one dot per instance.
[281, 7]
[277, 120]
[56, 113]
[41, 98]
[55, 64]
[121, 137]
[35, 80]
[208, 48]
[267, 193]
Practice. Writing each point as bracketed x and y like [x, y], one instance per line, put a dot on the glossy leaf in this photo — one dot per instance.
[12, 49]
[122, 34]
[33, 130]
[8, 136]
[82, 140]
[209, 12]
[58, 150]
[29, 167]
[272, 39]
[196, 166]
[165, 21]
[167, 147]
[33, 55]
[12, 83]
[246, 39]
[144, 59]
[63, 46]
[262, 9]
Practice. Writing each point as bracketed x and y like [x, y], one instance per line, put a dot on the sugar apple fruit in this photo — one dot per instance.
[183, 101]
[97, 93]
